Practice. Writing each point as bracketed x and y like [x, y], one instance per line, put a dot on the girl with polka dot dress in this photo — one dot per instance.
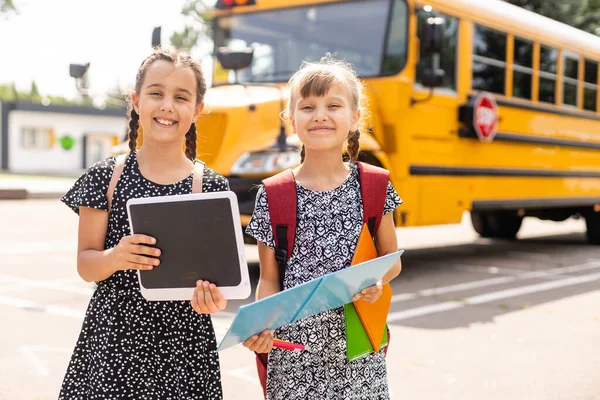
[324, 109]
[131, 348]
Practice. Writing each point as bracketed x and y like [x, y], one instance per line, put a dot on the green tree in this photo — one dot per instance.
[582, 14]
[199, 11]
[15, 93]
[6, 7]
[34, 93]
[185, 39]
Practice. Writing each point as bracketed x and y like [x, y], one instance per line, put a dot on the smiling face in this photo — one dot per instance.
[167, 101]
[323, 123]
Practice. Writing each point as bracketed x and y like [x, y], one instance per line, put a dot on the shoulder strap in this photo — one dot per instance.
[114, 179]
[198, 174]
[373, 188]
[281, 198]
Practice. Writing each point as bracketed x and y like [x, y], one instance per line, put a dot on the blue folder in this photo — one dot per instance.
[324, 293]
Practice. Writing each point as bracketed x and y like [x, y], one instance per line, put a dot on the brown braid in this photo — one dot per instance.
[190, 142]
[133, 129]
[353, 145]
[302, 154]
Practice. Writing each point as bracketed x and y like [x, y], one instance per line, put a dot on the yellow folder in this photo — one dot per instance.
[373, 316]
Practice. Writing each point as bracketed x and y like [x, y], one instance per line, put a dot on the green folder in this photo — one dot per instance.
[358, 344]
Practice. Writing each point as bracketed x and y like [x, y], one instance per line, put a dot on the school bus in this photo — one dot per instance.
[475, 106]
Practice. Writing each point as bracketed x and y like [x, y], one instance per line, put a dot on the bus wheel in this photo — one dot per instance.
[496, 224]
[592, 222]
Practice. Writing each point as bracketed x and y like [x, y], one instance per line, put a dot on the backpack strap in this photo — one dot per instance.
[197, 176]
[281, 198]
[373, 188]
[114, 179]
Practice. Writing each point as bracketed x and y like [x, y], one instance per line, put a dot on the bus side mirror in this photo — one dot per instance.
[433, 78]
[156, 37]
[235, 59]
[77, 71]
[432, 45]
[432, 37]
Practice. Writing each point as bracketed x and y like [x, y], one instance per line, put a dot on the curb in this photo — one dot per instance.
[24, 194]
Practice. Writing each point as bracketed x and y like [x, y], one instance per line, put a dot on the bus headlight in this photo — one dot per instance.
[265, 162]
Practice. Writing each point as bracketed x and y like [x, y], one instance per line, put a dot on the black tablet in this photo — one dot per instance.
[200, 237]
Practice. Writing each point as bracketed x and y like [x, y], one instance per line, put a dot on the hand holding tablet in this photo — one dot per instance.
[207, 298]
[199, 237]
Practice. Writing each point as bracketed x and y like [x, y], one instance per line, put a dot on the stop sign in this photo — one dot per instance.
[485, 117]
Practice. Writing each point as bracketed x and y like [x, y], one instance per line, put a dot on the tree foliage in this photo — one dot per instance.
[9, 92]
[6, 7]
[582, 14]
[200, 25]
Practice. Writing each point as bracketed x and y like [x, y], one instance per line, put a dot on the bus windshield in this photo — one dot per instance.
[282, 38]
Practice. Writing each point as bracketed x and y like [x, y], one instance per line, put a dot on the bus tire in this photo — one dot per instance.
[496, 224]
[592, 223]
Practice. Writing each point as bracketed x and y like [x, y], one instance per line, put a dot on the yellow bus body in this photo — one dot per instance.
[543, 162]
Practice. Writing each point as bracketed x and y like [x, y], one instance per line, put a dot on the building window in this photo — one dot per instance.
[548, 62]
[522, 68]
[590, 86]
[570, 77]
[37, 138]
[447, 60]
[489, 60]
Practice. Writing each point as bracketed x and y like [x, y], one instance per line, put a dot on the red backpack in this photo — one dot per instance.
[282, 202]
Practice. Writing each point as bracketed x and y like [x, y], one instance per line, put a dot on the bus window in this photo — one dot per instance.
[284, 38]
[522, 68]
[395, 52]
[489, 59]
[590, 86]
[448, 58]
[570, 79]
[548, 59]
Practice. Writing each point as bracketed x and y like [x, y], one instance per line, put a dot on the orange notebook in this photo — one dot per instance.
[373, 316]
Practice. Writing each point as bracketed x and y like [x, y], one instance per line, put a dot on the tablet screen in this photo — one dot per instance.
[197, 241]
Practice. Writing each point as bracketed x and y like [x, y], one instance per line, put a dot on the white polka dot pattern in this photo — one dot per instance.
[130, 348]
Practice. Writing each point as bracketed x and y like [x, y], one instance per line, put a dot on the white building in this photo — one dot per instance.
[56, 139]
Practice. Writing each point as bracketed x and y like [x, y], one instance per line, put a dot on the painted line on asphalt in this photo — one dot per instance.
[489, 297]
[493, 281]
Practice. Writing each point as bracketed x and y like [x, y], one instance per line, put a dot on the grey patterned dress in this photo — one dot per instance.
[329, 223]
[130, 348]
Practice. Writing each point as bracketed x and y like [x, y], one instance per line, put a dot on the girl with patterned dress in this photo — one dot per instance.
[324, 109]
[131, 348]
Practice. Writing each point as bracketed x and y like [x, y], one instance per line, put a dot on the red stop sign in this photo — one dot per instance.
[485, 117]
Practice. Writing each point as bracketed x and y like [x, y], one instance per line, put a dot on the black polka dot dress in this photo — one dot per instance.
[328, 226]
[131, 348]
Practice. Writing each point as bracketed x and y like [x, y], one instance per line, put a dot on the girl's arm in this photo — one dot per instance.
[96, 264]
[268, 282]
[387, 243]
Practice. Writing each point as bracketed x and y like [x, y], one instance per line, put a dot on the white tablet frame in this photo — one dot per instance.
[241, 291]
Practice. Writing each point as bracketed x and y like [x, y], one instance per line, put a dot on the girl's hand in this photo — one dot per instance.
[262, 343]
[131, 253]
[370, 294]
[207, 298]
